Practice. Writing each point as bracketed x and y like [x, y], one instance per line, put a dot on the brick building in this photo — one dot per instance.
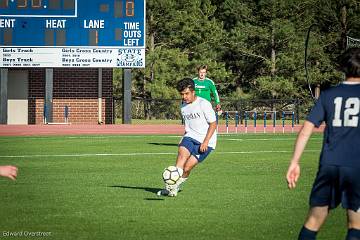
[25, 91]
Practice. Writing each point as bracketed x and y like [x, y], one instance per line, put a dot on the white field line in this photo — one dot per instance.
[264, 139]
[138, 154]
[99, 137]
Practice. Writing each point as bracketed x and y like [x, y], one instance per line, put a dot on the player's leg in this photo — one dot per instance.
[195, 158]
[353, 225]
[325, 195]
[316, 218]
[183, 155]
[187, 148]
[182, 162]
[189, 156]
[351, 200]
[191, 162]
[184, 152]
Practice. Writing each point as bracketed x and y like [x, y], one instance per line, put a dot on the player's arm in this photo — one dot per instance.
[215, 94]
[209, 133]
[8, 171]
[293, 172]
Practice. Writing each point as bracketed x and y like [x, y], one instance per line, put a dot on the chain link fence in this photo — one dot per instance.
[150, 111]
[167, 111]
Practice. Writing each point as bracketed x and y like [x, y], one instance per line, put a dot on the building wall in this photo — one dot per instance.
[36, 95]
[75, 88]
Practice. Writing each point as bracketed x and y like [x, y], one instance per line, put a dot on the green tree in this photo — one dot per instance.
[254, 49]
[181, 35]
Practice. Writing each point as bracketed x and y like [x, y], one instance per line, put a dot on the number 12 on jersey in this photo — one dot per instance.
[351, 110]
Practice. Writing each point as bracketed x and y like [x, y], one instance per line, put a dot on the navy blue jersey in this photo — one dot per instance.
[339, 108]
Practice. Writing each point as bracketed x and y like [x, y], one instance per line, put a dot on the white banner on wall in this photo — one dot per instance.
[92, 57]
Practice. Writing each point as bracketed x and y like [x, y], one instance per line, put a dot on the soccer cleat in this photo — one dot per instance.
[173, 193]
[180, 183]
[163, 192]
[172, 189]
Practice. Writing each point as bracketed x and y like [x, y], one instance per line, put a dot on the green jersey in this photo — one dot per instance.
[204, 88]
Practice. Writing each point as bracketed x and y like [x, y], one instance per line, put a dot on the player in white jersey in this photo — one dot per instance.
[200, 133]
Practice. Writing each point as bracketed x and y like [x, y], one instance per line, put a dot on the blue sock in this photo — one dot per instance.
[353, 234]
[306, 234]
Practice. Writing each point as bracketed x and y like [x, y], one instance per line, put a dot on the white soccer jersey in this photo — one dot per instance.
[197, 116]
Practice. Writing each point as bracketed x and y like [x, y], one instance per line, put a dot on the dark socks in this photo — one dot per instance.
[353, 234]
[306, 234]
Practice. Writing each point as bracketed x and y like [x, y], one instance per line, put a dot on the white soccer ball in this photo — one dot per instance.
[172, 174]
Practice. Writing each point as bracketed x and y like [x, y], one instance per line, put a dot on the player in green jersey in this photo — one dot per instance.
[204, 87]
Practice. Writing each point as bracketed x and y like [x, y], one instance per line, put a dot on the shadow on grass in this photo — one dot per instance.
[148, 189]
[154, 199]
[163, 144]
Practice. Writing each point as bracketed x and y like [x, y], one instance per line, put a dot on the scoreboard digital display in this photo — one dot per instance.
[72, 33]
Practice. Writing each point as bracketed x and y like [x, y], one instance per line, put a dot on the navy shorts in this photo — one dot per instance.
[334, 185]
[193, 147]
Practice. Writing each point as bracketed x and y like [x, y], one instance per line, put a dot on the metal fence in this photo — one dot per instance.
[150, 109]
[168, 110]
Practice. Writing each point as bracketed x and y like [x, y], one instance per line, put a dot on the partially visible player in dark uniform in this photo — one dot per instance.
[338, 176]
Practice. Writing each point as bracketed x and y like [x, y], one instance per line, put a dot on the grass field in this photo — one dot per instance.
[103, 187]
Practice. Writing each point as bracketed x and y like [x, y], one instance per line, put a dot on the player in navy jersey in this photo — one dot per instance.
[338, 177]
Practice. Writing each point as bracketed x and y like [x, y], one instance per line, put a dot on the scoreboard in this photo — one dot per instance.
[72, 33]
